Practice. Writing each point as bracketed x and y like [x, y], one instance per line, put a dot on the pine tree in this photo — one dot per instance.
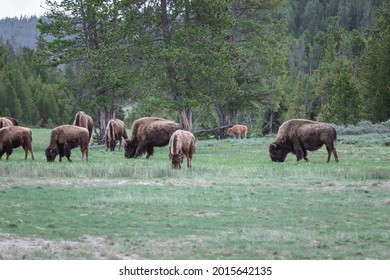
[376, 68]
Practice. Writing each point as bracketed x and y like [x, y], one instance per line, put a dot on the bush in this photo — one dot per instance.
[363, 127]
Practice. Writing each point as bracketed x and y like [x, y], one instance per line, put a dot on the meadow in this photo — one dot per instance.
[235, 203]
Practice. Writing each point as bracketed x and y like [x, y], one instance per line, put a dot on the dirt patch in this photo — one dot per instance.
[87, 247]
[62, 182]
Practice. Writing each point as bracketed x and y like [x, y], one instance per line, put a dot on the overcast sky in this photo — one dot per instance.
[17, 8]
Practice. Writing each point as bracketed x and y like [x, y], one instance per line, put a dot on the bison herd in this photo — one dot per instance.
[296, 136]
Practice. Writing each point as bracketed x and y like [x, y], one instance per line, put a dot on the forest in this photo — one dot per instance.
[206, 63]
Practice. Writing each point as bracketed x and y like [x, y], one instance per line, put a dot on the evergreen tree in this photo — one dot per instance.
[344, 105]
[376, 68]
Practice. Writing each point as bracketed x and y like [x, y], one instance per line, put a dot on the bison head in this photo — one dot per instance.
[177, 160]
[229, 131]
[130, 148]
[278, 152]
[51, 154]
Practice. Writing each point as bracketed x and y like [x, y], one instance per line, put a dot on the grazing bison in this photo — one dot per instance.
[147, 133]
[8, 121]
[14, 137]
[83, 120]
[238, 130]
[181, 143]
[299, 136]
[64, 138]
[115, 130]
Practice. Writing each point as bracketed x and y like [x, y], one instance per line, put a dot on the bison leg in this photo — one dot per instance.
[189, 160]
[331, 150]
[298, 151]
[305, 155]
[150, 151]
[32, 153]
[139, 150]
[9, 152]
[84, 153]
[25, 153]
[335, 155]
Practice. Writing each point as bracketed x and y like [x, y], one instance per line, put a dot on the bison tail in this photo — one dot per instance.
[111, 131]
[77, 119]
[335, 133]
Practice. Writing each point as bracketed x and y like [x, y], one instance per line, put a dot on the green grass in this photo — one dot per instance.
[234, 204]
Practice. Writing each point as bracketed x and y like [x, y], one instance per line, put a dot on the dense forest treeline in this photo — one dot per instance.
[207, 64]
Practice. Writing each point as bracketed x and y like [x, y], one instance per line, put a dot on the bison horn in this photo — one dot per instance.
[273, 146]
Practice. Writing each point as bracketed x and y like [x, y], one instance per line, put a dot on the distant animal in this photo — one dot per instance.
[147, 133]
[64, 138]
[181, 143]
[13, 137]
[8, 121]
[115, 130]
[299, 136]
[238, 130]
[83, 120]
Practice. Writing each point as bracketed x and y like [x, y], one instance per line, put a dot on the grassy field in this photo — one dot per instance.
[234, 204]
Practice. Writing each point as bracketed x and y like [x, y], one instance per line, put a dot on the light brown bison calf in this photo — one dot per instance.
[64, 138]
[299, 136]
[147, 133]
[115, 130]
[83, 120]
[14, 137]
[181, 143]
[238, 130]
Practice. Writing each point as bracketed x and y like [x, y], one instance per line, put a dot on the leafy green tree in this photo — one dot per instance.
[87, 35]
[258, 37]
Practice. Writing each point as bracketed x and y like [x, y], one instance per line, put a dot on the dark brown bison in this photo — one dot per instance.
[14, 137]
[181, 143]
[64, 138]
[115, 130]
[147, 133]
[299, 136]
[83, 120]
[8, 121]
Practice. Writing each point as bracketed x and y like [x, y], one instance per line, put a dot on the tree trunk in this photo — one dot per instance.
[105, 114]
[186, 119]
[225, 119]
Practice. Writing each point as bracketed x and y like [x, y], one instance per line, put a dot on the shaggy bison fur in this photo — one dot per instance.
[299, 136]
[147, 133]
[64, 138]
[238, 130]
[14, 137]
[115, 130]
[83, 120]
[8, 121]
[181, 143]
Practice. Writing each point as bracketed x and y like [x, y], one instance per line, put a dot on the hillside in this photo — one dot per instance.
[19, 32]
